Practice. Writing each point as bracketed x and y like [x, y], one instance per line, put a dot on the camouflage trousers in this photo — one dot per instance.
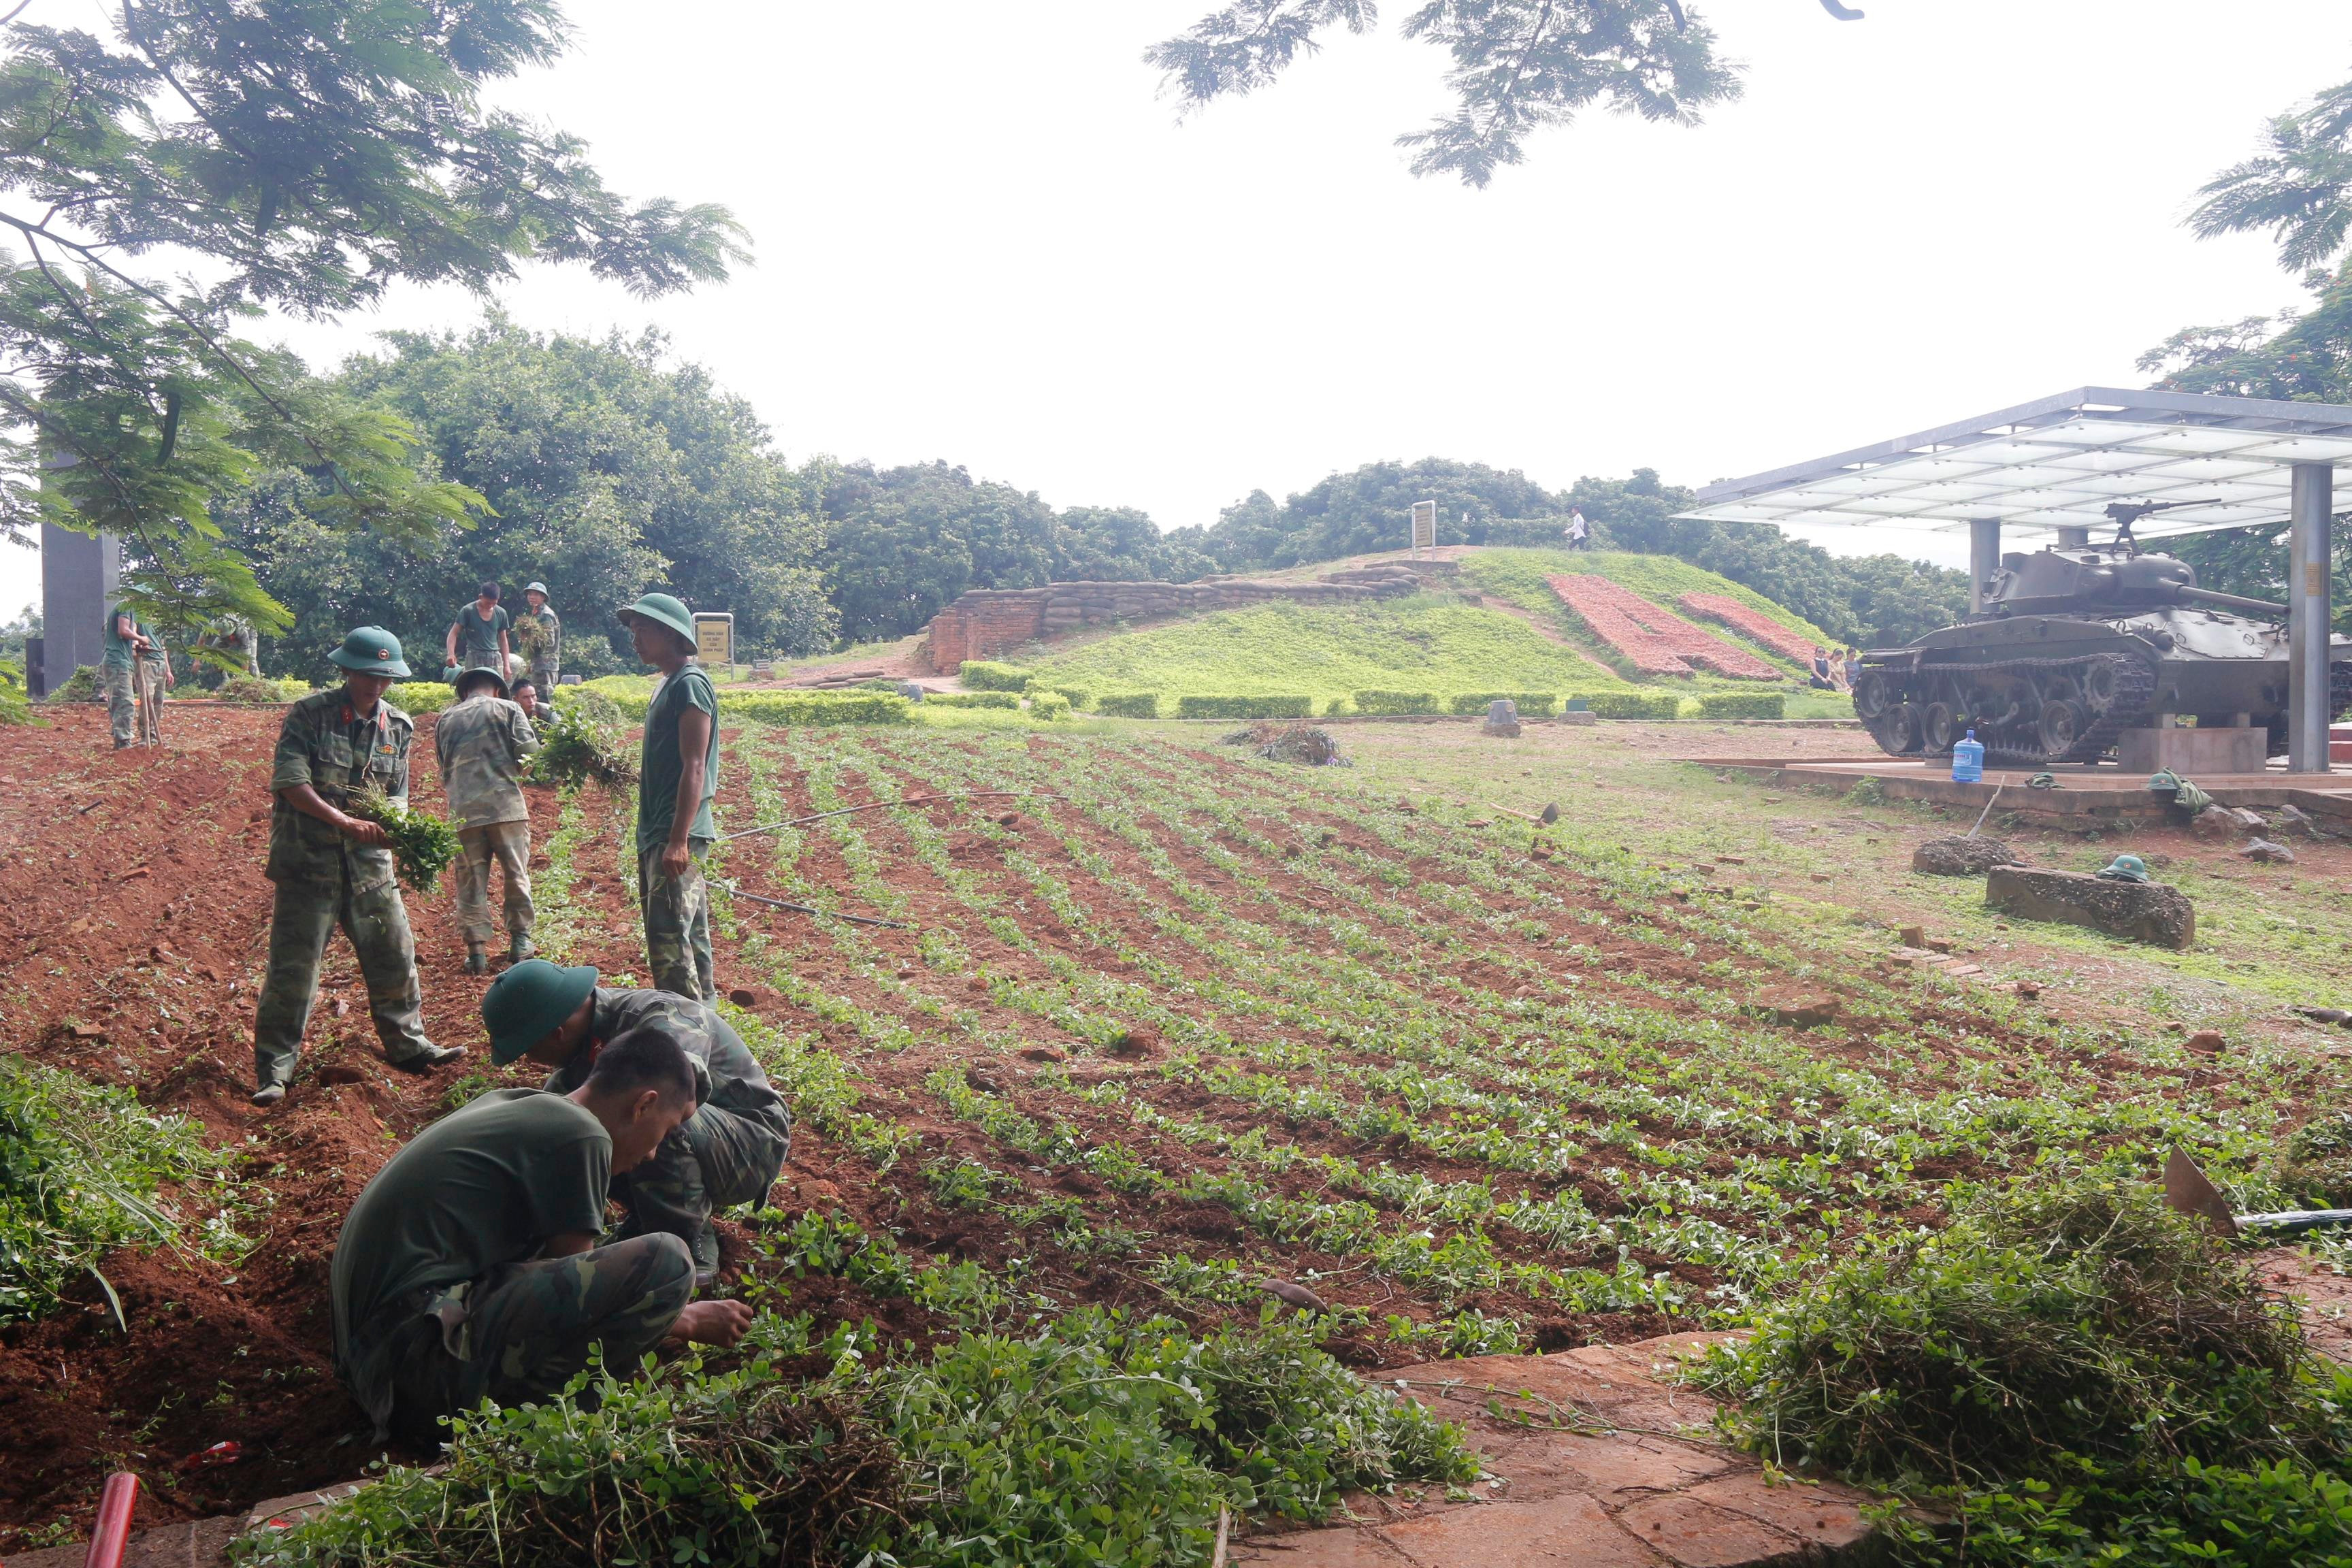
[519, 1333]
[718, 1159]
[149, 686]
[678, 926]
[305, 915]
[121, 704]
[505, 845]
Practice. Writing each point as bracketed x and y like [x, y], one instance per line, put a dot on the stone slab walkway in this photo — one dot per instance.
[1595, 1462]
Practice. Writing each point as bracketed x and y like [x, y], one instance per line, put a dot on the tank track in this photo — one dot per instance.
[2134, 691]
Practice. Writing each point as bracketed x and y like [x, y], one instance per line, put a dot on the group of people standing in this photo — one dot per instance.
[478, 1264]
[136, 670]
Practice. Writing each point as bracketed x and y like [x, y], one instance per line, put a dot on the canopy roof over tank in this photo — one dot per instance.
[2060, 462]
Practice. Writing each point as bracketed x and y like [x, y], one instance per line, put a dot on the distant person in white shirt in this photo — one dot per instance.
[1580, 535]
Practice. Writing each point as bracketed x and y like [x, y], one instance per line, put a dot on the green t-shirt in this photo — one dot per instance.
[659, 768]
[118, 648]
[484, 1186]
[478, 639]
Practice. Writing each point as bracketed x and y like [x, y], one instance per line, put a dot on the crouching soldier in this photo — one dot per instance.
[469, 1269]
[730, 1150]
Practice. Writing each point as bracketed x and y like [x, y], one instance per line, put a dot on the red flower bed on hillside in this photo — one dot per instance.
[1657, 641]
[1751, 624]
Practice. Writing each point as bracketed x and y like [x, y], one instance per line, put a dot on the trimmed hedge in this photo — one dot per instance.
[814, 708]
[421, 695]
[1532, 704]
[1130, 705]
[1245, 706]
[1396, 702]
[1048, 707]
[972, 699]
[1076, 694]
[983, 675]
[1635, 704]
[1744, 705]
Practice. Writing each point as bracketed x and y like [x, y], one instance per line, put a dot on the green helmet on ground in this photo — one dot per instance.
[530, 1002]
[371, 650]
[663, 610]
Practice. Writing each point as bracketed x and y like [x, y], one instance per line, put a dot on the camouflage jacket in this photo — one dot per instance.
[324, 745]
[480, 745]
[725, 1074]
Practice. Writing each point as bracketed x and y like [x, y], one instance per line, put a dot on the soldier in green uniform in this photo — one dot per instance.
[334, 869]
[469, 1269]
[124, 638]
[481, 744]
[730, 1150]
[678, 773]
[152, 678]
[547, 664]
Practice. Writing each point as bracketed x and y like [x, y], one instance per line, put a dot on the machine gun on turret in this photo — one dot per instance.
[2125, 515]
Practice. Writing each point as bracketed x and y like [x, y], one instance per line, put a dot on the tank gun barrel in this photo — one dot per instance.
[2227, 601]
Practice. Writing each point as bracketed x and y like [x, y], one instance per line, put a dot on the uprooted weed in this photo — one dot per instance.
[2071, 1371]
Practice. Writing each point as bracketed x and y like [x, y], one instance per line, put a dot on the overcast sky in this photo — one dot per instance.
[983, 236]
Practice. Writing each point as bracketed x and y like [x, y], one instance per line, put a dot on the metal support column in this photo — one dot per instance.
[2309, 559]
[1984, 559]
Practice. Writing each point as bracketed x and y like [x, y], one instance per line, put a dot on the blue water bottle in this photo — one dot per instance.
[1968, 761]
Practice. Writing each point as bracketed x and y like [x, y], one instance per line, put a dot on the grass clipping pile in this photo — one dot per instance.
[1305, 744]
[2071, 1372]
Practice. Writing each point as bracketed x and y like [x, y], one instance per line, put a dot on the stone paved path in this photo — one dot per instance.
[1599, 1468]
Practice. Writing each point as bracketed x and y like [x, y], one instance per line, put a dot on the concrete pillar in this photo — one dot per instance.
[2073, 536]
[78, 579]
[2309, 559]
[1984, 559]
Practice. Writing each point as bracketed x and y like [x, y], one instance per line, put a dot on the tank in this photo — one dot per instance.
[2079, 643]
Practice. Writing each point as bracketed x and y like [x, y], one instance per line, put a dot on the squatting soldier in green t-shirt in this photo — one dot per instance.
[334, 869]
[678, 773]
[470, 1269]
[730, 1150]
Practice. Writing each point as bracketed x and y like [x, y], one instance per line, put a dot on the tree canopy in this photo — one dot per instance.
[606, 468]
[300, 156]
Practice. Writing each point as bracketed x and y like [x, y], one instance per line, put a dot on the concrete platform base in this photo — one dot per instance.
[2194, 753]
[2104, 793]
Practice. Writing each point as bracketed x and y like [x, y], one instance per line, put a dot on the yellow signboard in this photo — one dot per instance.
[714, 639]
[1425, 525]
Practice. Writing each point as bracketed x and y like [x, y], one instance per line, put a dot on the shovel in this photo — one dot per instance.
[1545, 818]
[2187, 1190]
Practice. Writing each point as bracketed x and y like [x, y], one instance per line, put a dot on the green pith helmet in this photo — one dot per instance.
[664, 610]
[534, 587]
[530, 1002]
[2126, 868]
[485, 672]
[371, 650]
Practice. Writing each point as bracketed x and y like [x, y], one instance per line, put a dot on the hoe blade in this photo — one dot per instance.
[2187, 1190]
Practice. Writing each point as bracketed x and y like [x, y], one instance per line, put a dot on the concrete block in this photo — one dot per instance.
[1958, 857]
[2138, 912]
[2193, 752]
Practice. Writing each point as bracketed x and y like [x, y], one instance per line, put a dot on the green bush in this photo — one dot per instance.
[421, 695]
[1635, 704]
[596, 706]
[1078, 695]
[1339, 707]
[972, 699]
[1532, 704]
[1130, 705]
[983, 675]
[80, 1166]
[82, 686]
[1744, 705]
[814, 708]
[260, 691]
[1245, 706]
[1396, 702]
[16, 704]
[1048, 706]
[630, 694]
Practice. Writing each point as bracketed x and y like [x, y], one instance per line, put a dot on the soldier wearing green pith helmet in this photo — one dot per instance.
[334, 869]
[678, 773]
[730, 1150]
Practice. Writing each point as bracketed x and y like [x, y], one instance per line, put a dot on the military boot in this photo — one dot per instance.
[478, 962]
[429, 1058]
[523, 947]
[705, 1248]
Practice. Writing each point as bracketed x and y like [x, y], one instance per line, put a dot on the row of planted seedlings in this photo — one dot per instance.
[1819, 1144]
[1989, 1119]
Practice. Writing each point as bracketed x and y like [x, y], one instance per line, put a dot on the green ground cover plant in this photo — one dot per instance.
[1394, 702]
[972, 700]
[423, 844]
[85, 1168]
[1516, 577]
[421, 695]
[259, 690]
[576, 748]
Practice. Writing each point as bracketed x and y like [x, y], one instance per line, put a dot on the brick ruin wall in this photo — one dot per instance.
[986, 622]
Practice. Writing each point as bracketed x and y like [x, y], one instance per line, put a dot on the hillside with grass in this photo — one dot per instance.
[1498, 628]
